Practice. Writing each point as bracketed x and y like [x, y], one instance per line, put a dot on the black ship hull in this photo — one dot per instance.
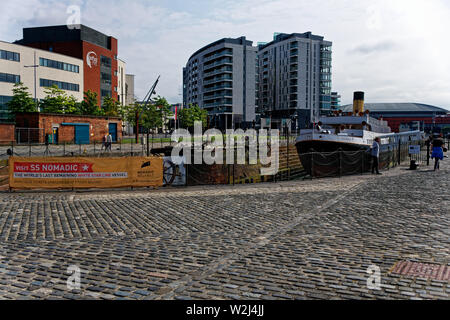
[327, 159]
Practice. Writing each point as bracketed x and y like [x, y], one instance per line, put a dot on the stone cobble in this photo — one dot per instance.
[297, 240]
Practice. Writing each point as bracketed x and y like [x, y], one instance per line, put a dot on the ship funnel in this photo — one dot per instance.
[358, 102]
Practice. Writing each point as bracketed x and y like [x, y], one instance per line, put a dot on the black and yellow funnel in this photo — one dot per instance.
[358, 102]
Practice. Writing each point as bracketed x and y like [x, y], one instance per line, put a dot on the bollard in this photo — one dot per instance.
[362, 162]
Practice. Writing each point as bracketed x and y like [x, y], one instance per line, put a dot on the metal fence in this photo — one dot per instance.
[292, 166]
[343, 163]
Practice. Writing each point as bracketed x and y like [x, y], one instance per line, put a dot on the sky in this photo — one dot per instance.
[394, 50]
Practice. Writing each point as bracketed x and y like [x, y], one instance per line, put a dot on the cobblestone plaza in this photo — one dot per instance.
[294, 240]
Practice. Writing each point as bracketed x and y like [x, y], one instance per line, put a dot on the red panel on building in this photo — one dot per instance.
[83, 43]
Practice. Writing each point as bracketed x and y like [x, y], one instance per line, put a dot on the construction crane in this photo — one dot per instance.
[146, 101]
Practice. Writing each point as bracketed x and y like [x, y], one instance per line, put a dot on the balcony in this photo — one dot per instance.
[226, 69]
[217, 104]
[218, 79]
[218, 96]
[216, 88]
[218, 55]
[218, 63]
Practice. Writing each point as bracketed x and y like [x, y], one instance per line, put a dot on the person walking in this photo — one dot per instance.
[376, 156]
[438, 151]
[109, 142]
[104, 142]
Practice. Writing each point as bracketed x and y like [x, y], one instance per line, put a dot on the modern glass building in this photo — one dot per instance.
[220, 78]
[294, 79]
[335, 101]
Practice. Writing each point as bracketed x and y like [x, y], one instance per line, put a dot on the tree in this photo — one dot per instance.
[57, 101]
[21, 101]
[89, 106]
[111, 107]
[188, 116]
[164, 109]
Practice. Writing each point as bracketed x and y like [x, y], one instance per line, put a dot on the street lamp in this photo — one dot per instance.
[35, 66]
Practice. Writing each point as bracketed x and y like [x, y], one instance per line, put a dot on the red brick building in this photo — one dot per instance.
[67, 128]
[6, 133]
[98, 51]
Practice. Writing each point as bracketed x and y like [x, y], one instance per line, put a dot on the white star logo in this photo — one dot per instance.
[85, 167]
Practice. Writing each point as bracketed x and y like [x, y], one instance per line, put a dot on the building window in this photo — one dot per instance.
[8, 55]
[105, 61]
[61, 85]
[106, 93]
[10, 78]
[105, 77]
[59, 65]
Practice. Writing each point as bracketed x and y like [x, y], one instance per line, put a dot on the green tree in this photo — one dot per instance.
[21, 101]
[89, 106]
[164, 109]
[111, 107]
[188, 116]
[57, 101]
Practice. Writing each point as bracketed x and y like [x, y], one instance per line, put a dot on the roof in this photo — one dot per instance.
[398, 108]
[284, 36]
[61, 33]
[240, 41]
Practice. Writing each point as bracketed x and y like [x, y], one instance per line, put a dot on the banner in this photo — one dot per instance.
[56, 173]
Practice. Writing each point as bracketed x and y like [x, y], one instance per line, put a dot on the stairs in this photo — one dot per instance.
[290, 165]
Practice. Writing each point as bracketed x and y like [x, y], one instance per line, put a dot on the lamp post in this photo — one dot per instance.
[35, 66]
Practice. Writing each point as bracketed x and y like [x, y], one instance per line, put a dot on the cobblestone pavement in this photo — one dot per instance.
[296, 240]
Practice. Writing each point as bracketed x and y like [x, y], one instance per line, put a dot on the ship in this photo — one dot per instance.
[349, 132]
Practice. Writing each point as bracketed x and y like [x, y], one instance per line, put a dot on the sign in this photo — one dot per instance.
[414, 149]
[55, 173]
[91, 59]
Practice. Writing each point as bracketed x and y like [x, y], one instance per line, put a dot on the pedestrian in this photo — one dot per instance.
[376, 156]
[104, 142]
[109, 142]
[438, 151]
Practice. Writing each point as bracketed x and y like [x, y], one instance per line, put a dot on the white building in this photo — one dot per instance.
[17, 64]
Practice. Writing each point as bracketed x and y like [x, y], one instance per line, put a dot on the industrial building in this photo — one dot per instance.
[407, 116]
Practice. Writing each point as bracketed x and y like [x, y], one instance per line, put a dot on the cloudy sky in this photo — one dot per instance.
[394, 50]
